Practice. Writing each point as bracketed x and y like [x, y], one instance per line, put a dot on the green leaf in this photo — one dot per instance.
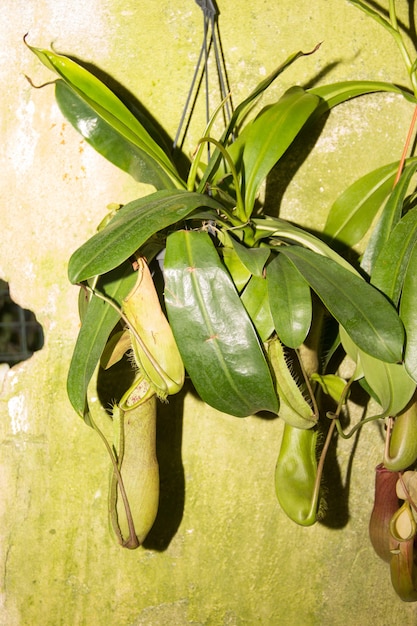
[390, 216]
[131, 228]
[98, 322]
[353, 212]
[279, 230]
[390, 382]
[215, 336]
[375, 15]
[290, 301]
[331, 384]
[264, 141]
[109, 142]
[408, 314]
[366, 315]
[253, 259]
[390, 266]
[108, 106]
[239, 272]
[242, 109]
[256, 302]
[353, 351]
[337, 93]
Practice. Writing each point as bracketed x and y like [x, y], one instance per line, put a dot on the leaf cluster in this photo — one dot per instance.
[244, 290]
[234, 277]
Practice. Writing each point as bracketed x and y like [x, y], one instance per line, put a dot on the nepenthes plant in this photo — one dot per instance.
[248, 298]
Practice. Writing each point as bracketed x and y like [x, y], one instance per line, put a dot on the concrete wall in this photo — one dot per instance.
[222, 553]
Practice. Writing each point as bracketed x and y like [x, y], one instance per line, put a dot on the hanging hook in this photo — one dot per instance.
[208, 7]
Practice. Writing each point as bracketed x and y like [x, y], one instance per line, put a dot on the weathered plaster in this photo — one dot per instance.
[230, 556]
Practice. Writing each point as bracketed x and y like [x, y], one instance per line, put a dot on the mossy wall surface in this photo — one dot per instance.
[221, 552]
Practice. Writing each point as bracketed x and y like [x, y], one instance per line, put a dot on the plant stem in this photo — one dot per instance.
[400, 43]
[406, 146]
[240, 207]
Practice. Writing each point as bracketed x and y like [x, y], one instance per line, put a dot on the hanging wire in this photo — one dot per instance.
[211, 40]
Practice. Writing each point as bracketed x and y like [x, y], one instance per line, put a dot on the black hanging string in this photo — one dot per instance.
[211, 40]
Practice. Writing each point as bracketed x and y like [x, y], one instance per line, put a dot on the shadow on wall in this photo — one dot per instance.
[20, 333]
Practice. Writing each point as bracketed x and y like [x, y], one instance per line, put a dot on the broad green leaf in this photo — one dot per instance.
[389, 381]
[214, 334]
[279, 230]
[98, 322]
[408, 313]
[353, 212]
[256, 302]
[264, 141]
[290, 301]
[253, 259]
[366, 315]
[337, 93]
[107, 105]
[390, 216]
[390, 266]
[331, 384]
[352, 351]
[131, 228]
[109, 142]
[239, 272]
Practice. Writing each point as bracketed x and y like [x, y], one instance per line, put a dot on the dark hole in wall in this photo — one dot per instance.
[20, 333]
